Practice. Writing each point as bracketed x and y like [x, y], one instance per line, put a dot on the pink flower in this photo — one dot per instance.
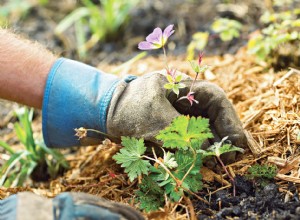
[157, 39]
[200, 56]
[190, 97]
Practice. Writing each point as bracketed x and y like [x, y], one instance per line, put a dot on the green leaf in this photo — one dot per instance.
[185, 160]
[23, 129]
[20, 133]
[226, 36]
[159, 175]
[296, 23]
[6, 147]
[13, 160]
[181, 85]
[206, 153]
[150, 195]
[262, 171]
[130, 157]
[182, 130]
[26, 170]
[201, 40]
[194, 66]
[178, 78]
[193, 181]
[219, 148]
[58, 157]
[229, 148]
[174, 192]
[169, 85]
[170, 79]
[70, 19]
[164, 180]
[175, 89]
[169, 160]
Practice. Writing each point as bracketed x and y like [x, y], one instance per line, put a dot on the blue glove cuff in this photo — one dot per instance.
[76, 95]
[8, 208]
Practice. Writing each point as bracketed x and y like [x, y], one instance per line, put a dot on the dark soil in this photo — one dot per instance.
[253, 201]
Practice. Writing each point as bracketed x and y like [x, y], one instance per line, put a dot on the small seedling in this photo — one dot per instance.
[224, 28]
[227, 28]
[22, 163]
[173, 174]
[217, 150]
[282, 29]
[262, 174]
[104, 21]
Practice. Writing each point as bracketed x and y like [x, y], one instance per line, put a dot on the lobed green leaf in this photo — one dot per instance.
[183, 130]
[130, 157]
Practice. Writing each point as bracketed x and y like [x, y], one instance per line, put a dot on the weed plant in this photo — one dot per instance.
[281, 31]
[104, 22]
[22, 163]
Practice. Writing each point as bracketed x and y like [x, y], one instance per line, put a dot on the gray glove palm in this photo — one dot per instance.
[140, 108]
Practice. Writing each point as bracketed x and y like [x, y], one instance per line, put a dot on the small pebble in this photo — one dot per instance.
[297, 211]
[236, 210]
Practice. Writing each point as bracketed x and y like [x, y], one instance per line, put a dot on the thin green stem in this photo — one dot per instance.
[192, 166]
[163, 166]
[166, 58]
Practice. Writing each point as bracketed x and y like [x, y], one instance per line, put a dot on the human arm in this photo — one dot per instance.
[24, 66]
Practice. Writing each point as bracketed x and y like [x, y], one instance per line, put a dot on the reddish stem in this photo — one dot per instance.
[193, 82]
[230, 177]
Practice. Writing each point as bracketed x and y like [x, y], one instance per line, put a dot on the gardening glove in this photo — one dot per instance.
[212, 104]
[66, 206]
[77, 95]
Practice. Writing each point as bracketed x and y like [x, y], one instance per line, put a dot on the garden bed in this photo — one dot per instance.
[267, 102]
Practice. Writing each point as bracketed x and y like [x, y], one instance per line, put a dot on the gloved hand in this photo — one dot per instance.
[78, 95]
[212, 104]
[66, 206]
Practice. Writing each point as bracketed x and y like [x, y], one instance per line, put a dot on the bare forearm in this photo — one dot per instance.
[24, 66]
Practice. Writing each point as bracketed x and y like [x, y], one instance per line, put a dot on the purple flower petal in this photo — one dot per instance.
[144, 45]
[155, 37]
[168, 31]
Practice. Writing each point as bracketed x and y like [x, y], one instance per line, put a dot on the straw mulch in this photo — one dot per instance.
[267, 102]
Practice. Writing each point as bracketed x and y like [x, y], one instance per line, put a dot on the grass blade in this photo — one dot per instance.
[6, 147]
[71, 19]
[13, 160]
